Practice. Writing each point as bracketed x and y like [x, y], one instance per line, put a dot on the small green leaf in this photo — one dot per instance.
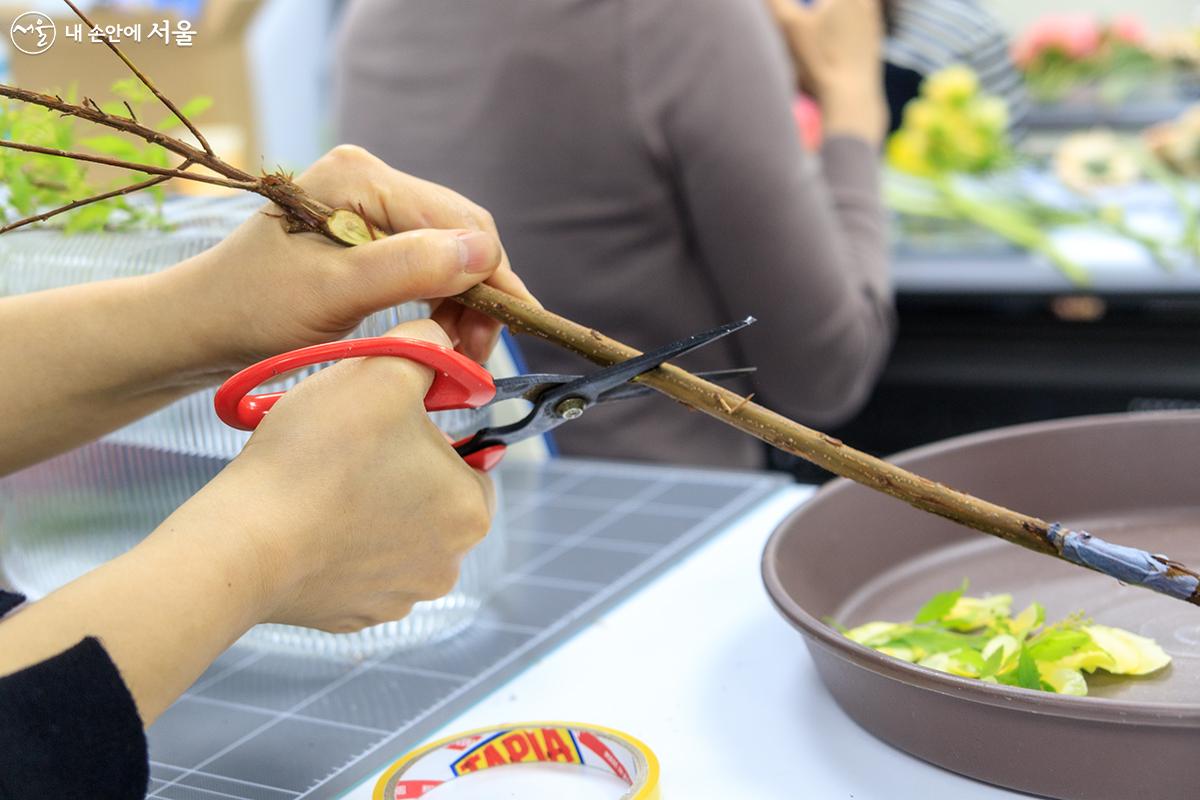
[88, 218]
[993, 663]
[191, 109]
[1055, 644]
[1028, 620]
[154, 155]
[20, 191]
[196, 106]
[1028, 675]
[111, 145]
[939, 605]
[132, 90]
[971, 613]
[928, 641]
[115, 109]
[874, 634]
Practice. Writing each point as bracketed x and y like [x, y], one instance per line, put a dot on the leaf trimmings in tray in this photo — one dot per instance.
[980, 637]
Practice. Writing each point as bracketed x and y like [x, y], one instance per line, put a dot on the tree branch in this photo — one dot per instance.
[130, 189]
[1130, 565]
[145, 80]
[169, 172]
[97, 116]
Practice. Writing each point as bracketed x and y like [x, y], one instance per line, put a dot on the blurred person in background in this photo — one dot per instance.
[643, 162]
[925, 36]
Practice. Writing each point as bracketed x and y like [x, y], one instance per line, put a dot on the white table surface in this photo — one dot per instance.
[701, 667]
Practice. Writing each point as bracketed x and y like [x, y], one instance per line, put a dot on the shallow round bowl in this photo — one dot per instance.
[855, 555]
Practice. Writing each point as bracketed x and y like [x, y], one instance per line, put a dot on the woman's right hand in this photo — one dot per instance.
[350, 500]
[837, 47]
[346, 507]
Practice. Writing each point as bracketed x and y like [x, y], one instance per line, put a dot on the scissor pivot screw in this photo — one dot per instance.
[571, 408]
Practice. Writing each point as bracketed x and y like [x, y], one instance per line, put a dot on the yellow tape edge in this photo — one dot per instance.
[649, 789]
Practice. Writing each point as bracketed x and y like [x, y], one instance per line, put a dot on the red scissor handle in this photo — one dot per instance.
[458, 382]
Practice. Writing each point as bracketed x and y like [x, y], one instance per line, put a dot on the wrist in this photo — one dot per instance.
[151, 349]
[854, 108]
[219, 531]
[200, 322]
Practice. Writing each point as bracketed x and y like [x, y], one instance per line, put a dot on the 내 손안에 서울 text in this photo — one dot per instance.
[33, 32]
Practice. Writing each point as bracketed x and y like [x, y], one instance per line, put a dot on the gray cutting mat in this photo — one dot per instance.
[265, 726]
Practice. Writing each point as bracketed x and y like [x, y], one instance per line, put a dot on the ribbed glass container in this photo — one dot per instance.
[64, 517]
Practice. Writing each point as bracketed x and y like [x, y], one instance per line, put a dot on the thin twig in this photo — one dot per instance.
[147, 134]
[130, 189]
[742, 403]
[145, 80]
[133, 166]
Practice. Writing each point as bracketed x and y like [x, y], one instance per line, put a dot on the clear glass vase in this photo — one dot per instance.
[65, 516]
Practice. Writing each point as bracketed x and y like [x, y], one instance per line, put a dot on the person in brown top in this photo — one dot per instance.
[642, 161]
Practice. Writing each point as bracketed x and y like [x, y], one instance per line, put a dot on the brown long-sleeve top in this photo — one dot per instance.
[642, 163]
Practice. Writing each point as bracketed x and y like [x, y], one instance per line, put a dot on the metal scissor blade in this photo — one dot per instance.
[631, 390]
[557, 404]
[529, 387]
[591, 387]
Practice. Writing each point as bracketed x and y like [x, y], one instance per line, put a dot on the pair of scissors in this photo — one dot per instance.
[460, 383]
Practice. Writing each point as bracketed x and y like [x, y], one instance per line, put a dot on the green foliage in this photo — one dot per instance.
[980, 637]
[37, 182]
[1114, 72]
[939, 606]
[1028, 675]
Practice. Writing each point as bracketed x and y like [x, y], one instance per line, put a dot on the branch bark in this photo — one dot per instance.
[1126, 564]
[95, 115]
[132, 166]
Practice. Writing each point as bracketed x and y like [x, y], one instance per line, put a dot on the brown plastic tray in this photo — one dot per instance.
[855, 555]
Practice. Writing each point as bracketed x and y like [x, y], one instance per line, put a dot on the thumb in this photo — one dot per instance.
[786, 11]
[420, 265]
[424, 329]
[417, 376]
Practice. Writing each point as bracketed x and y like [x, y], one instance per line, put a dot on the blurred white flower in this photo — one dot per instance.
[1093, 160]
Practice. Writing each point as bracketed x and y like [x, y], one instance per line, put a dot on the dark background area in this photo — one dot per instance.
[964, 363]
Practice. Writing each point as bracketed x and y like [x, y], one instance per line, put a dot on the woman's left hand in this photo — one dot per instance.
[137, 344]
[263, 291]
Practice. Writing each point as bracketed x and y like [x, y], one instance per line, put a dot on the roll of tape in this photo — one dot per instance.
[616, 753]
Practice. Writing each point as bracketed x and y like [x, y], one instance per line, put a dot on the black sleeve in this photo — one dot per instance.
[901, 85]
[69, 728]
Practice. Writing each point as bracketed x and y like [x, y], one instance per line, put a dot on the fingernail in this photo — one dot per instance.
[476, 251]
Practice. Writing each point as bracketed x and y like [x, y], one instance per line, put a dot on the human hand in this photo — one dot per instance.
[263, 291]
[837, 47]
[348, 498]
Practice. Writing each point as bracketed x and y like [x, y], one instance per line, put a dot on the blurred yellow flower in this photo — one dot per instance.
[991, 113]
[920, 115]
[906, 152]
[953, 85]
[950, 128]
